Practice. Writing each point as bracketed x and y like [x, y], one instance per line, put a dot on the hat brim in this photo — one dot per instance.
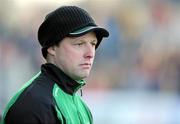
[98, 30]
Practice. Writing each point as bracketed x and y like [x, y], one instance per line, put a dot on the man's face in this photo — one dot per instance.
[75, 56]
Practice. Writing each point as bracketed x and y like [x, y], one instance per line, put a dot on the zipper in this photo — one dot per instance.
[78, 113]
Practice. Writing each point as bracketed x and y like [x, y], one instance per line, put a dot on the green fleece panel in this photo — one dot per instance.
[71, 107]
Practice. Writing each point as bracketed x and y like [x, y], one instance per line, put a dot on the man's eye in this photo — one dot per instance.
[79, 44]
[94, 44]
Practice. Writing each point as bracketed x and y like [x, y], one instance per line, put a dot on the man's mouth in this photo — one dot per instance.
[86, 65]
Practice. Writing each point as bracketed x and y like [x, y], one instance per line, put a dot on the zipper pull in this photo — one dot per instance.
[81, 92]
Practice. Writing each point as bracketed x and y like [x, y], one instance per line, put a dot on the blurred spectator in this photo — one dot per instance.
[145, 73]
[111, 46]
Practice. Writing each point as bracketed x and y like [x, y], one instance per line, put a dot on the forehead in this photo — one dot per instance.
[88, 37]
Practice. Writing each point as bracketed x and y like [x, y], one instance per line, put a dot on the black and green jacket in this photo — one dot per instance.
[48, 98]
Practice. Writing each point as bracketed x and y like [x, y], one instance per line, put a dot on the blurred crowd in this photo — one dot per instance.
[142, 52]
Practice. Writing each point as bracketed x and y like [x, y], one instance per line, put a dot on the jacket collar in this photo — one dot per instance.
[66, 83]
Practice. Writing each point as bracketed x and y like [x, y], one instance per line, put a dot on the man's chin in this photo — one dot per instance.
[79, 77]
[83, 76]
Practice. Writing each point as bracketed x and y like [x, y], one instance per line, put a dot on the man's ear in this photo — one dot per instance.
[51, 50]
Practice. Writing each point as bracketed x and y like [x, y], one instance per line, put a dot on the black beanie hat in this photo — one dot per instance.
[66, 21]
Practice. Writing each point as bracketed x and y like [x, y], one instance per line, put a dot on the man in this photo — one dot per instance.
[69, 37]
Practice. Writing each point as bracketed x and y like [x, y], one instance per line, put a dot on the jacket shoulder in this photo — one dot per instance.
[35, 104]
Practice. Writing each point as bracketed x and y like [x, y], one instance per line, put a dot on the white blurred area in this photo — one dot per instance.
[136, 74]
[117, 107]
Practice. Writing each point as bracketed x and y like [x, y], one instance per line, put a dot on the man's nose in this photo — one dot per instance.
[89, 51]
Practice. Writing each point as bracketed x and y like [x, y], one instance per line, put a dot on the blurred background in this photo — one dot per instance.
[136, 75]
